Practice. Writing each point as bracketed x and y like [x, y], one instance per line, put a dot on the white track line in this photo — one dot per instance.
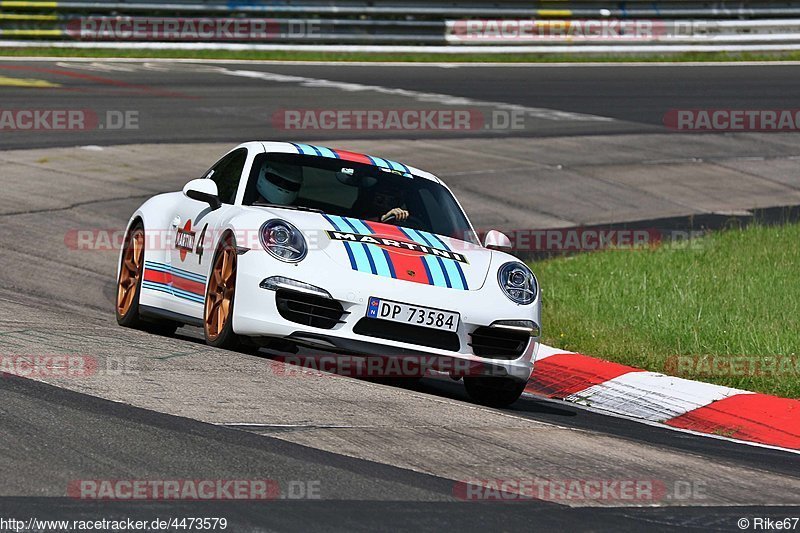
[412, 49]
[437, 98]
[413, 64]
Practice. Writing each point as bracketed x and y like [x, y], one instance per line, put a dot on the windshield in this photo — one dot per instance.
[356, 190]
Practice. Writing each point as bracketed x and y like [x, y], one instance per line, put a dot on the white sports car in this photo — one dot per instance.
[286, 244]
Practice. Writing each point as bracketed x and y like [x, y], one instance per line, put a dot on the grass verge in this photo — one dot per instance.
[725, 309]
[45, 51]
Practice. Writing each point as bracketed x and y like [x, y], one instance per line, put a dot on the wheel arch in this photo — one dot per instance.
[154, 216]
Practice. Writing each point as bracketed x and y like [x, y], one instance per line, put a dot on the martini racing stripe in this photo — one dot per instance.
[359, 254]
[406, 266]
[380, 258]
[433, 265]
[454, 275]
[354, 156]
[379, 161]
[398, 264]
[454, 269]
[322, 151]
[161, 267]
[398, 166]
[170, 280]
[191, 287]
[350, 255]
[173, 291]
[307, 149]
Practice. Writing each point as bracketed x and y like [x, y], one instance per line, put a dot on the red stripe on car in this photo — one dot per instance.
[353, 156]
[408, 264]
[195, 287]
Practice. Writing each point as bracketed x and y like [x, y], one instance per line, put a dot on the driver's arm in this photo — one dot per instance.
[398, 213]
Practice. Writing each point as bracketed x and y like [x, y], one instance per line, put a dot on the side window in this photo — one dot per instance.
[226, 174]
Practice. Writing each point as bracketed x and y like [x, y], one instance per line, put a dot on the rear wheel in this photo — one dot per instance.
[129, 286]
[220, 294]
[494, 391]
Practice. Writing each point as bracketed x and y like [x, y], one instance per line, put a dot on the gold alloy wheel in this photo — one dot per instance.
[219, 297]
[130, 272]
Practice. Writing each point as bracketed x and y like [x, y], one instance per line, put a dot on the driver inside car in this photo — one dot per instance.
[380, 206]
[279, 184]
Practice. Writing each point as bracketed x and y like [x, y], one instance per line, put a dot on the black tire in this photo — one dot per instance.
[494, 391]
[129, 317]
[166, 328]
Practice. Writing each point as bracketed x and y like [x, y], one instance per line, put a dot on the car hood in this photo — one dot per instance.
[391, 251]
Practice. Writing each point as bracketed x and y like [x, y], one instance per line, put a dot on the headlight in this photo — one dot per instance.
[283, 241]
[518, 282]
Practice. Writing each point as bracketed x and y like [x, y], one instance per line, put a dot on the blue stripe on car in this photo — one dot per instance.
[376, 255]
[452, 268]
[169, 269]
[363, 259]
[451, 264]
[326, 152]
[435, 271]
[163, 287]
[347, 248]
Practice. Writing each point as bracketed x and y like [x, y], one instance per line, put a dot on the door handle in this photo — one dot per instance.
[176, 222]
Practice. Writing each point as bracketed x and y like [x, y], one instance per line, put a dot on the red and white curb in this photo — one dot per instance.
[674, 402]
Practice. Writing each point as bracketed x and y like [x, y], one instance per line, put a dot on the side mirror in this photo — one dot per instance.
[203, 190]
[498, 240]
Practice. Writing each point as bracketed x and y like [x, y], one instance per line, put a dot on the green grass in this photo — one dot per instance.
[46, 51]
[732, 293]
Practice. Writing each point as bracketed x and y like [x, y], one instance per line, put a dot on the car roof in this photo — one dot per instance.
[345, 155]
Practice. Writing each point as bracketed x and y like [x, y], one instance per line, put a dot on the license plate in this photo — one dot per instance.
[415, 315]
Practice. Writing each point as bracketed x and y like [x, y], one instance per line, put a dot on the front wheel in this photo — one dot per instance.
[129, 283]
[494, 391]
[220, 294]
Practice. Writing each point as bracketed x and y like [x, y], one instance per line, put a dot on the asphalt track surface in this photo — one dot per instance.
[398, 499]
[229, 102]
[385, 456]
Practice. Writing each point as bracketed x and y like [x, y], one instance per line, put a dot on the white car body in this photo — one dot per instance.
[188, 231]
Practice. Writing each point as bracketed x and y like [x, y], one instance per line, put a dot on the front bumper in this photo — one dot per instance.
[256, 314]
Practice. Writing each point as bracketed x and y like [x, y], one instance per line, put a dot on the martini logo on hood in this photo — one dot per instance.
[392, 243]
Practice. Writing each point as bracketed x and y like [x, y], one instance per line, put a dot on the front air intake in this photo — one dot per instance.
[499, 343]
[308, 309]
[394, 331]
